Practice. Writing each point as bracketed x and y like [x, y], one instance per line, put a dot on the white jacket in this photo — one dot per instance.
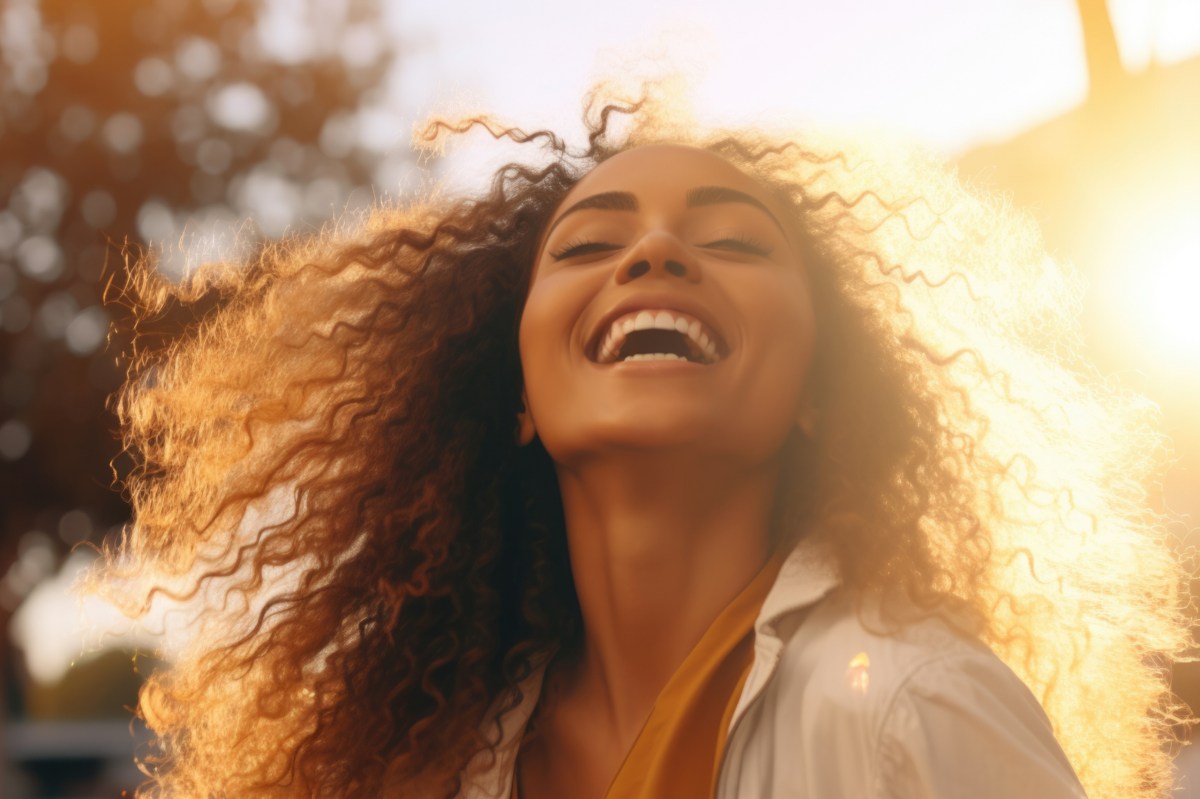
[831, 710]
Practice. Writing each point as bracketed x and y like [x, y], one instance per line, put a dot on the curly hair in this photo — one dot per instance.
[329, 461]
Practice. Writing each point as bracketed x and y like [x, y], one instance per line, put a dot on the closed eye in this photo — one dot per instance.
[574, 249]
[743, 244]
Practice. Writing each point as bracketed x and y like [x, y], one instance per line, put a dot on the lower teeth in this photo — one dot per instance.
[655, 356]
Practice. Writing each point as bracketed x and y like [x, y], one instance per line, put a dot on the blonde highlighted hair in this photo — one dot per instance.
[968, 456]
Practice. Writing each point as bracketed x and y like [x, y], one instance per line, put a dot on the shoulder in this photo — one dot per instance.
[921, 711]
[851, 659]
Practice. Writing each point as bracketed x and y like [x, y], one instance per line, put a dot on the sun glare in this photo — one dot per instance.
[1174, 297]
[1165, 266]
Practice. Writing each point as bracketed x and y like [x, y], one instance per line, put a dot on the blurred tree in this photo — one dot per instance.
[150, 121]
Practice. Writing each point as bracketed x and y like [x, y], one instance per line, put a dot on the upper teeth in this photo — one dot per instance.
[650, 319]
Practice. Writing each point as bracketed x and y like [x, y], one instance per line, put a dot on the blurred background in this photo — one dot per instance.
[204, 126]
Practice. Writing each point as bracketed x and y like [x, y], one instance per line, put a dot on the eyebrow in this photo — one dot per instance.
[696, 198]
[605, 201]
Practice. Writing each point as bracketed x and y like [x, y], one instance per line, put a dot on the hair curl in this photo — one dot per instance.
[331, 455]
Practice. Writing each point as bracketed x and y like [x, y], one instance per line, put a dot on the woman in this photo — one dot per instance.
[680, 466]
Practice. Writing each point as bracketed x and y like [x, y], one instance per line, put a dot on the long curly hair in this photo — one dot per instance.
[326, 466]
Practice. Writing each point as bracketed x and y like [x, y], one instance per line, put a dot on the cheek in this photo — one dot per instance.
[547, 331]
[541, 309]
[780, 337]
[780, 316]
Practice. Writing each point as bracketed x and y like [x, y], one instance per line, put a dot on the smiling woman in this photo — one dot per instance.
[684, 465]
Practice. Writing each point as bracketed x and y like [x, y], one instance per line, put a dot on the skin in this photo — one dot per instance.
[667, 470]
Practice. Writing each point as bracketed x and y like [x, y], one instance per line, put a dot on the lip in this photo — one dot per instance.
[658, 302]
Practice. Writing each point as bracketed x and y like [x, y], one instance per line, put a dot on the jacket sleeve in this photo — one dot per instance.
[964, 725]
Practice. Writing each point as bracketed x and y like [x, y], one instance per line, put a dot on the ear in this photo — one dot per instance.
[525, 429]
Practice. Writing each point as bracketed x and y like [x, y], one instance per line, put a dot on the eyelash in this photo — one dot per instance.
[581, 247]
[740, 242]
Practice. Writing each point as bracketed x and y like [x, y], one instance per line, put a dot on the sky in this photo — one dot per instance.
[947, 73]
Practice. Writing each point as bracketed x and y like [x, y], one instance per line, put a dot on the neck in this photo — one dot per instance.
[659, 546]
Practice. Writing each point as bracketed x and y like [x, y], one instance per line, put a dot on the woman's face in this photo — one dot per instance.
[668, 309]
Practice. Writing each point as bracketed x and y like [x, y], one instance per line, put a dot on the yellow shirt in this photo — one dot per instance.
[679, 748]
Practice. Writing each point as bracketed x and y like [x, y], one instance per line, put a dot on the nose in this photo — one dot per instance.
[658, 253]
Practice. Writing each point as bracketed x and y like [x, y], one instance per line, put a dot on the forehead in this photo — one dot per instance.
[666, 169]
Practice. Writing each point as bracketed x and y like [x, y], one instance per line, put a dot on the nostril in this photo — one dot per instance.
[676, 268]
[639, 269]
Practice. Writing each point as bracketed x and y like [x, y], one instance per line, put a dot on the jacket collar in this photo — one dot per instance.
[808, 573]
[806, 576]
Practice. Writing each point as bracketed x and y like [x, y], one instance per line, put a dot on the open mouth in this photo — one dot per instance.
[657, 335]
